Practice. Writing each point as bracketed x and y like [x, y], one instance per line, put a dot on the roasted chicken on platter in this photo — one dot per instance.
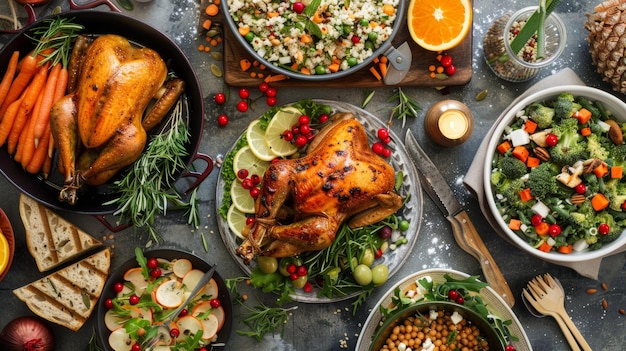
[100, 126]
[304, 201]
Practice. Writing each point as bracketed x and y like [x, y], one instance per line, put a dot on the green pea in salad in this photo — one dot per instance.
[314, 36]
[558, 175]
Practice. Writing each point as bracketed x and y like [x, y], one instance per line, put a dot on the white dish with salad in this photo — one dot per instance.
[554, 175]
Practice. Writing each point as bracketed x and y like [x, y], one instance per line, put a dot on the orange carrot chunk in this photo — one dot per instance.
[566, 249]
[542, 228]
[545, 247]
[526, 195]
[521, 153]
[599, 202]
[616, 172]
[515, 224]
[583, 115]
[504, 147]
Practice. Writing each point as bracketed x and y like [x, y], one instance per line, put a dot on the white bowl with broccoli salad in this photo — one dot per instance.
[555, 174]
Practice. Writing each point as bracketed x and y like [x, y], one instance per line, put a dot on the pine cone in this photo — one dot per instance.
[607, 42]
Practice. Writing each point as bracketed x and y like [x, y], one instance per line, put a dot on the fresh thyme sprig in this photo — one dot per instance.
[57, 35]
[406, 107]
[147, 189]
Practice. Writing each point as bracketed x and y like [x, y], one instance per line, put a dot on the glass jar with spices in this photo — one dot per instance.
[525, 64]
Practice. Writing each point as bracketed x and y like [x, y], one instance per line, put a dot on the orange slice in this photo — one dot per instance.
[438, 25]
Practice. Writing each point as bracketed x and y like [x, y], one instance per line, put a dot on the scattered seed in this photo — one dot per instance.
[605, 304]
[441, 76]
[213, 32]
[217, 55]
[621, 311]
[481, 95]
[592, 291]
[216, 70]
[604, 286]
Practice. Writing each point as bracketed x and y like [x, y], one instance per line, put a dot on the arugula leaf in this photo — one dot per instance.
[142, 262]
[312, 7]
[313, 28]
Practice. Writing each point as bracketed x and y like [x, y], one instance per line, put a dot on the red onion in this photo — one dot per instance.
[27, 334]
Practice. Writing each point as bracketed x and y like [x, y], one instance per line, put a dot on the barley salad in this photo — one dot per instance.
[314, 37]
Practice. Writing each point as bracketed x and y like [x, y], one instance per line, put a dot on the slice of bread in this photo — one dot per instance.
[68, 296]
[52, 240]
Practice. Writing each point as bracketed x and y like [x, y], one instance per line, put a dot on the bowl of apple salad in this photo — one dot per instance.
[554, 174]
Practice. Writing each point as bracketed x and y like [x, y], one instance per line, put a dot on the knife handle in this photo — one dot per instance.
[462, 226]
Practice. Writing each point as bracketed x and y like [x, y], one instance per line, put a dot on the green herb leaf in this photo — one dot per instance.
[531, 26]
[311, 8]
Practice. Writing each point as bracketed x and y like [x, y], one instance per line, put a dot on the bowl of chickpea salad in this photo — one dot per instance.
[315, 40]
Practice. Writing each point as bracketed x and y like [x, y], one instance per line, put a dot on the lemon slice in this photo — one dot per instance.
[241, 198]
[4, 252]
[246, 159]
[236, 221]
[256, 141]
[283, 120]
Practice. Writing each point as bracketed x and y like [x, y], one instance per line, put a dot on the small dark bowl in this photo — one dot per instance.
[424, 308]
[7, 231]
[168, 254]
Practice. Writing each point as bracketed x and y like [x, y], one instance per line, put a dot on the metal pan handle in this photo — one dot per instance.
[200, 176]
[31, 18]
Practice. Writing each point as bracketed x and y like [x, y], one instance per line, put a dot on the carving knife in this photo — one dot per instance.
[464, 231]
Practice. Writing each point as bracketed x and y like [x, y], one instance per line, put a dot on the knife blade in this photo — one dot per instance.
[399, 63]
[464, 231]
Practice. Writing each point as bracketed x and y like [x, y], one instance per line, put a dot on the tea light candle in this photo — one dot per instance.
[449, 123]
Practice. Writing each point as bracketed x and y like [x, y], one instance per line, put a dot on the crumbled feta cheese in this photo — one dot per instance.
[541, 209]
[518, 137]
[433, 315]
[580, 245]
[428, 345]
[456, 317]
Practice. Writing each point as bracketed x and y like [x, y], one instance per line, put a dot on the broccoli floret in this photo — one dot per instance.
[565, 106]
[571, 146]
[541, 114]
[512, 167]
[616, 193]
[596, 148]
[542, 181]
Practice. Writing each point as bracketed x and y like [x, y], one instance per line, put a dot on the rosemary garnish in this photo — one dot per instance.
[147, 188]
[56, 36]
[262, 319]
[406, 107]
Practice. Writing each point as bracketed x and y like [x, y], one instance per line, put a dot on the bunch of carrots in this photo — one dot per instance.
[29, 88]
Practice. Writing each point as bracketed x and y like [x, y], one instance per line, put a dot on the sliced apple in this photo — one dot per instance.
[211, 289]
[201, 308]
[189, 325]
[170, 294]
[135, 277]
[210, 326]
[181, 267]
[221, 317]
[120, 340]
[205, 307]
[191, 279]
[113, 321]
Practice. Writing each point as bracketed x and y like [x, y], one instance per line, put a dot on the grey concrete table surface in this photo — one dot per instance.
[329, 326]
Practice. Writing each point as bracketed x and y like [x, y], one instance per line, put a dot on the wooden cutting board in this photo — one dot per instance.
[418, 75]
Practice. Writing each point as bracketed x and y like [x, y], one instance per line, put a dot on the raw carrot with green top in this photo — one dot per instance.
[7, 79]
[28, 69]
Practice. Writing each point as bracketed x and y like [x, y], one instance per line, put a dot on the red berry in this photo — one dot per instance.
[118, 287]
[133, 299]
[108, 303]
[136, 347]
[301, 140]
[291, 268]
[386, 153]
[242, 106]
[302, 271]
[387, 140]
[247, 184]
[270, 92]
[604, 229]
[554, 229]
[295, 129]
[155, 272]
[270, 101]
[152, 263]
[453, 294]
[378, 148]
[183, 312]
[222, 120]
[256, 180]
[383, 133]
[355, 39]
[450, 70]
[298, 7]
[305, 129]
[263, 87]
[220, 98]
[242, 173]
[323, 118]
[249, 220]
[255, 192]
[378, 253]
[552, 139]
[244, 93]
[293, 276]
[509, 348]
[215, 303]
[304, 119]
[385, 232]
[174, 333]
[446, 60]
[287, 135]
[460, 300]
[307, 288]
[536, 220]
[581, 189]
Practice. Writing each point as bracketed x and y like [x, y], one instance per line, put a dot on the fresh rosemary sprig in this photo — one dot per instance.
[262, 319]
[57, 35]
[147, 188]
[406, 107]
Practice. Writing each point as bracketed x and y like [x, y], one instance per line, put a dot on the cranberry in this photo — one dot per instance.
[155, 272]
[108, 303]
[460, 300]
[133, 299]
[293, 276]
[304, 119]
[220, 98]
[323, 118]
[270, 101]
[263, 87]
[256, 180]
[307, 288]
[301, 140]
[305, 129]
[302, 271]
[183, 312]
[581, 189]
[244, 93]
[378, 253]
[255, 192]
[554, 229]
[215, 303]
[536, 220]
[291, 268]
[355, 39]
[298, 7]
[383, 133]
[451, 70]
[174, 333]
[295, 129]
[222, 120]
[287, 135]
[271, 92]
[118, 287]
[247, 184]
[135, 347]
[242, 173]
[387, 140]
[153, 263]
[446, 60]
[509, 347]
[453, 294]
[552, 139]
[242, 106]
[378, 148]
[386, 153]
[604, 229]
[249, 220]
